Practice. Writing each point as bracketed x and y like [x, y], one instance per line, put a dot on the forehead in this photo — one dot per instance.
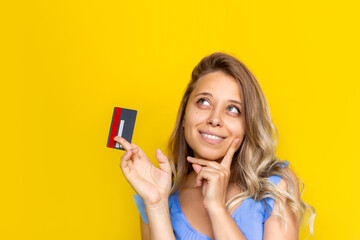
[219, 84]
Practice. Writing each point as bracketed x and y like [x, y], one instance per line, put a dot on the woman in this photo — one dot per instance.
[227, 181]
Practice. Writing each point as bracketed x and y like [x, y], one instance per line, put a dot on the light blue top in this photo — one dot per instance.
[249, 215]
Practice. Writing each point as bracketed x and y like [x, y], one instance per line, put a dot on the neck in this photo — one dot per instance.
[190, 180]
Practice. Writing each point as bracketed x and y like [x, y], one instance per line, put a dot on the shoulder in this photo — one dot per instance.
[283, 184]
[273, 228]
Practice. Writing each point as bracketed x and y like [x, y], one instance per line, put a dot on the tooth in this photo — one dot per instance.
[210, 136]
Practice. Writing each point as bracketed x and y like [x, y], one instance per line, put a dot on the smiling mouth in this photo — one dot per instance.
[211, 136]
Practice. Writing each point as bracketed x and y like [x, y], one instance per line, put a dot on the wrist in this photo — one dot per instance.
[216, 209]
[157, 206]
[213, 205]
[154, 199]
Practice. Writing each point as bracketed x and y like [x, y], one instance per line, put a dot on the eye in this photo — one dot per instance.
[233, 109]
[203, 101]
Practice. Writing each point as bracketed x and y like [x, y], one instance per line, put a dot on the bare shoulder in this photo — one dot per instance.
[273, 227]
[283, 185]
[145, 231]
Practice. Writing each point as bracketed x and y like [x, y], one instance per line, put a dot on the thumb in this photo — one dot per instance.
[197, 167]
[163, 161]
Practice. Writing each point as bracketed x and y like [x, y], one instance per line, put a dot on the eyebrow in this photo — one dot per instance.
[209, 94]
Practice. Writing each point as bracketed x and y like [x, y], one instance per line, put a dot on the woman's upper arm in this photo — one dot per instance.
[145, 231]
[272, 226]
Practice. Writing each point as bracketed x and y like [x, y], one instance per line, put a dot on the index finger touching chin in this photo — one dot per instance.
[230, 153]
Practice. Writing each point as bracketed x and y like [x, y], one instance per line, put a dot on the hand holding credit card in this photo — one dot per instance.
[134, 164]
[152, 184]
[122, 125]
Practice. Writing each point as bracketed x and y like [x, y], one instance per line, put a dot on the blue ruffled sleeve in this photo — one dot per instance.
[275, 179]
[141, 207]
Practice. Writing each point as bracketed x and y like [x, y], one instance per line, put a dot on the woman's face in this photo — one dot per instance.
[213, 116]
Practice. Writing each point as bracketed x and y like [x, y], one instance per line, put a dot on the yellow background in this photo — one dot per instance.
[66, 64]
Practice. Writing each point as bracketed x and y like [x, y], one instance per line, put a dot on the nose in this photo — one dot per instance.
[215, 119]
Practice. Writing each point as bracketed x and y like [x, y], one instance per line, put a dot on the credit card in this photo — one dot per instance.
[122, 125]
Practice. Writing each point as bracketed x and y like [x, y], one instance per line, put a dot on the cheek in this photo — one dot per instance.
[237, 129]
[194, 118]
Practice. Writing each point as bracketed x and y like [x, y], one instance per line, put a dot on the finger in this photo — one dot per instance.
[125, 144]
[141, 152]
[226, 162]
[135, 152]
[206, 173]
[125, 160]
[163, 161]
[196, 167]
[203, 162]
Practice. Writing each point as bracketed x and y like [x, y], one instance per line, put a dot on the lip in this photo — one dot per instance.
[209, 140]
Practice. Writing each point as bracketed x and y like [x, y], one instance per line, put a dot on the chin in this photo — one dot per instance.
[210, 154]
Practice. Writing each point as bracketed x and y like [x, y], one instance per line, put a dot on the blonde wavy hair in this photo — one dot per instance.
[255, 160]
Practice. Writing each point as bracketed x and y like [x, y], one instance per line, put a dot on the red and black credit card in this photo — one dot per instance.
[122, 125]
